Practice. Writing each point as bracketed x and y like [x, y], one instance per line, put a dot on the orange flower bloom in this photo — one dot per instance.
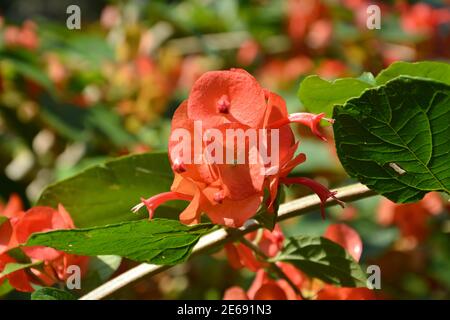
[12, 211]
[270, 242]
[266, 288]
[224, 101]
[18, 228]
[410, 218]
[346, 237]
[25, 36]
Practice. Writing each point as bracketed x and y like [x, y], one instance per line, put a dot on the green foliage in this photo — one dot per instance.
[323, 259]
[48, 293]
[105, 193]
[158, 241]
[13, 267]
[426, 69]
[391, 132]
[319, 95]
[395, 138]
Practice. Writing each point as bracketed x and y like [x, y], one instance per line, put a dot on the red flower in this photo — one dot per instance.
[41, 219]
[220, 97]
[421, 18]
[12, 211]
[346, 237]
[18, 228]
[265, 287]
[20, 280]
[231, 190]
[270, 242]
[331, 69]
[24, 36]
[329, 292]
[248, 52]
[410, 218]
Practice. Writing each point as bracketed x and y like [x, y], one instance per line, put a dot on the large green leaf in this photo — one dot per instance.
[396, 138]
[319, 95]
[158, 241]
[105, 193]
[48, 293]
[323, 259]
[427, 69]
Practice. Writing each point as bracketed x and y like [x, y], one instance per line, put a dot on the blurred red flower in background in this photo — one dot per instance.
[22, 37]
[412, 218]
[19, 227]
[264, 287]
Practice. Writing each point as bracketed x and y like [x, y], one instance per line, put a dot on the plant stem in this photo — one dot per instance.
[219, 237]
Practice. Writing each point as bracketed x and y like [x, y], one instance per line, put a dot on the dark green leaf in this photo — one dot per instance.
[48, 293]
[263, 216]
[323, 259]
[396, 138]
[158, 241]
[318, 95]
[105, 193]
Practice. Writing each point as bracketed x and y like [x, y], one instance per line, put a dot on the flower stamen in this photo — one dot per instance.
[323, 193]
[178, 166]
[308, 119]
[155, 201]
[223, 104]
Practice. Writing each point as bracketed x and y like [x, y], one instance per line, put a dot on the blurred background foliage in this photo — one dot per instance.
[72, 98]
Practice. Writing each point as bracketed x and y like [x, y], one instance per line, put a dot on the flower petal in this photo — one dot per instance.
[346, 237]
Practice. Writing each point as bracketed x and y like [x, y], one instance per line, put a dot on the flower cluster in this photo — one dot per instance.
[230, 193]
[264, 287]
[412, 219]
[49, 265]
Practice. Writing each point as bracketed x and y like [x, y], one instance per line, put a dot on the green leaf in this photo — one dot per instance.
[5, 288]
[3, 219]
[13, 267]
[427, 69]
[319, 95]
[396, 138]
[158, 241]
[31, 71]
[263, 216]
[104, 194]
[323, 259]
[48, 293]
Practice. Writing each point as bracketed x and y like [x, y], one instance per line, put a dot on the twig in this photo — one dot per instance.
[286, 211]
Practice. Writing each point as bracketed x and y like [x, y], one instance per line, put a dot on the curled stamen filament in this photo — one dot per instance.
[155, 201]
[308, 119]
[323, 193]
